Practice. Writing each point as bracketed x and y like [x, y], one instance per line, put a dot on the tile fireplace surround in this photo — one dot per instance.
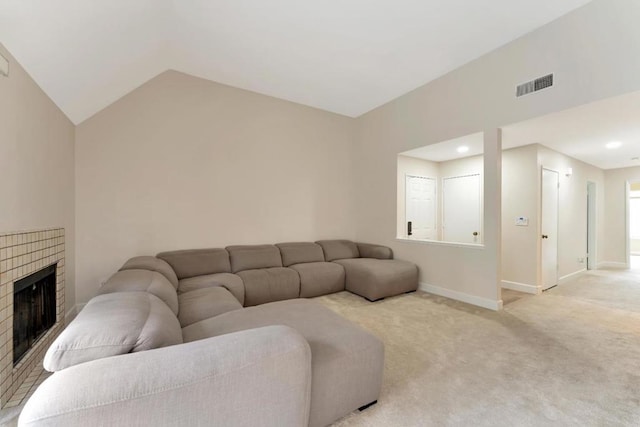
[21, 254]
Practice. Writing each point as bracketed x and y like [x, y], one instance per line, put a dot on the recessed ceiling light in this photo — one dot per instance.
[613, 144]
[462, 149]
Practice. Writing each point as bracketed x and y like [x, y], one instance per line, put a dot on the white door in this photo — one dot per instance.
[591, 225]
[461, 209]
[549, 225]
[420, 205]
[633, 225]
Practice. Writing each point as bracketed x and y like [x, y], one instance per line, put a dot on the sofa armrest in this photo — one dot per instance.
[258, 377]
[368, 250]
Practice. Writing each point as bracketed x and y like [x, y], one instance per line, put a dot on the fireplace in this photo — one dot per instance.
[34, 309]
[28, 258]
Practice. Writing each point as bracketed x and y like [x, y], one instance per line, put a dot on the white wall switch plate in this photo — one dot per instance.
[522, 221]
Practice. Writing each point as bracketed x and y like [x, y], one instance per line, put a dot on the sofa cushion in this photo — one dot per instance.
[154, 264]
[197, 262]
[319, 278]
[299, 252]
[142, 281]
[377, 278]
[112, 324]
[205, 303]
[347, 361]
[367, 250]
[338, 249]
[232, 282]
[269, 284]
[254, 256]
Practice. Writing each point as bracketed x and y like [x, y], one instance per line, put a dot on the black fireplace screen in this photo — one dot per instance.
[34, 309]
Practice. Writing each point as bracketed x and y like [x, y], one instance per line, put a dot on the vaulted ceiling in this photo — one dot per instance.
[344, 56]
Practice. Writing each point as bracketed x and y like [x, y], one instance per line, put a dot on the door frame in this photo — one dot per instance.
[435, 203]
[541, 285]
[627, 228]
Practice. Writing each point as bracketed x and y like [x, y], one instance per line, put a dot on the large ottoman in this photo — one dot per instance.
[375, 279]
[347, 361]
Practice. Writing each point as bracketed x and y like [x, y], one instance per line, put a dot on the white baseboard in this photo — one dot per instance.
[613, 264]
[461, 296]
[521, 287]
[571, 276]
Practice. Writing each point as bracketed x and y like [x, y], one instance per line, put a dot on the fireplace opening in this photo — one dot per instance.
[34, 309]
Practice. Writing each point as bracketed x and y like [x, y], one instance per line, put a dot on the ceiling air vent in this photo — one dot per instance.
[534, 85]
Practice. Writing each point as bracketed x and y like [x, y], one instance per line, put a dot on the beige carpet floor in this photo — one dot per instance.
[569, 357]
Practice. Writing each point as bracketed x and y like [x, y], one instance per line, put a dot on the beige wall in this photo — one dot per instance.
[615, 252]
[183, 162]
[520, 198]
[572, 209]
[480, 96]
[36, 163]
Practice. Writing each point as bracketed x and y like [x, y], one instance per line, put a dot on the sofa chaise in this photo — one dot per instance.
[222, 337]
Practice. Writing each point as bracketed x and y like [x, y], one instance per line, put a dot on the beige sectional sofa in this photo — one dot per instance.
[222, 337]
[265, 273]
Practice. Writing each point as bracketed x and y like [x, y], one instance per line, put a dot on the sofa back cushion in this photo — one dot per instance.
[153, 264]
[339, 249]
[197, 262]
[300, 252]
[142, 281]
[264, 285]
[251, 257]
[205, 303]
[113, 324]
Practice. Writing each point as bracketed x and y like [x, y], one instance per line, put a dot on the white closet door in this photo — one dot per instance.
[462, 209]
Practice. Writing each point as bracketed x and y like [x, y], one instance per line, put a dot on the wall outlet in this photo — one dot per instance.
[522, 221]
[580, 260]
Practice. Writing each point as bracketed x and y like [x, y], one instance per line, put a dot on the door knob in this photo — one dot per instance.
[475, 233]
[544, 236]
